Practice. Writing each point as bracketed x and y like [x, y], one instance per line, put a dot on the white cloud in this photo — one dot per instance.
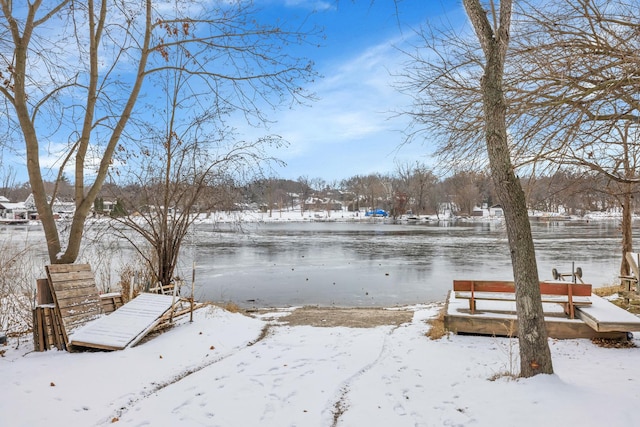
[315, 5]
[352, 122]
[310, 4]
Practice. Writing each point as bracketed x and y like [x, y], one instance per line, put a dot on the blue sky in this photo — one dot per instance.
[351, 130]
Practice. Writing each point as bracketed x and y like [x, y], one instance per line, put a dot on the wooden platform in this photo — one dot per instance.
[126, 326]
[599, 320]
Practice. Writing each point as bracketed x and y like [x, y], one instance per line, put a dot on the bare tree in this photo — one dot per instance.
[7, 180]
[535, 356]
[304, 192]
[423, 189]
[171, 193]
[188, 155]
[102, 52]
[574, 78]
[460, 101]
[463, 189]
[572, 73]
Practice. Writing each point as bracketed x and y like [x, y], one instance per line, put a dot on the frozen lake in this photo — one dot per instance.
[380, 264]
[356, 263]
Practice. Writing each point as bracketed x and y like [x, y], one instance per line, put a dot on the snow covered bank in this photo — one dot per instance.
[224, 370]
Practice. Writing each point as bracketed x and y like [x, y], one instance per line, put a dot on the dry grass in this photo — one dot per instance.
[17, 288]
[231, 307]
[510, 376]
[608, 343]
[606, 291]
[437, 329]
[510, 350]
[627, 300]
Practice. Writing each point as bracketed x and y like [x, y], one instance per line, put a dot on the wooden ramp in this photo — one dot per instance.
[604, 316]
[126, 326]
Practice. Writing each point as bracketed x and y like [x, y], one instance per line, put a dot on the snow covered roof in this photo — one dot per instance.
[12, 205]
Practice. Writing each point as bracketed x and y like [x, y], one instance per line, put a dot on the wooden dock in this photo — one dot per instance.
[601, 319]
[70, 313]
[126, 326]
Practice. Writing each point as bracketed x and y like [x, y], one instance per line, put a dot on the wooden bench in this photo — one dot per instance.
[568, 294]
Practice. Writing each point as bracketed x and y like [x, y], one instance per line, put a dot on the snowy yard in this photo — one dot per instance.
[224, 370]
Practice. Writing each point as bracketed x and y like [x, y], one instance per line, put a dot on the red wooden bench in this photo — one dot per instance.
[566, 293]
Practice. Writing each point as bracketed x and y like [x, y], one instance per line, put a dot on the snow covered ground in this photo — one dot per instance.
[222, 370]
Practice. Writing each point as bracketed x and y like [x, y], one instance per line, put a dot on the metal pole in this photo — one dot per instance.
[134, 280]
[193, 281]
[173, 299]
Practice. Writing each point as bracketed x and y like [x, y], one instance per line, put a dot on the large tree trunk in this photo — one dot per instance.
[535, 356]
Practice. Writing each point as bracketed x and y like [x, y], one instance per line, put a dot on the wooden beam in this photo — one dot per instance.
[500, 326]
[548, 288]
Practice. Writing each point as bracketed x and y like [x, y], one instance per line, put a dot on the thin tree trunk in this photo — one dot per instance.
[627, 234]
[535, 356]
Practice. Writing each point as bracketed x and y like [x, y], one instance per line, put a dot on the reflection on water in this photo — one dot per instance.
[353, 264]
[276, 264]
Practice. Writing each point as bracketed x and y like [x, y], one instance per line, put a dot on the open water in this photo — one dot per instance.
[355, 263]
[383, 264]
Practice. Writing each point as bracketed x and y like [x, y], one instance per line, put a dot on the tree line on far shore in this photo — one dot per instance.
[412, 189]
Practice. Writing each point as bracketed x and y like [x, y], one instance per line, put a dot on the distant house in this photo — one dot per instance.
[478, 212]
[496, 210]
[321, 204]
[12, 212]
[59, 208]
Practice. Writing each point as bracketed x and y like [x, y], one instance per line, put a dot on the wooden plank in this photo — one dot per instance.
[110, 302]
[49, 333]
[484, 286]
[125, 326]
[502, 296]
[43, 292]
[78, 320]
[471, 324]
[70, 288]
[68, 268]
[38, 329]
[633, 258]
[71, 280]
[566, 288]
[604, 316]
[59, 341]
[80, 303]
[548, 288]
[34, 322]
